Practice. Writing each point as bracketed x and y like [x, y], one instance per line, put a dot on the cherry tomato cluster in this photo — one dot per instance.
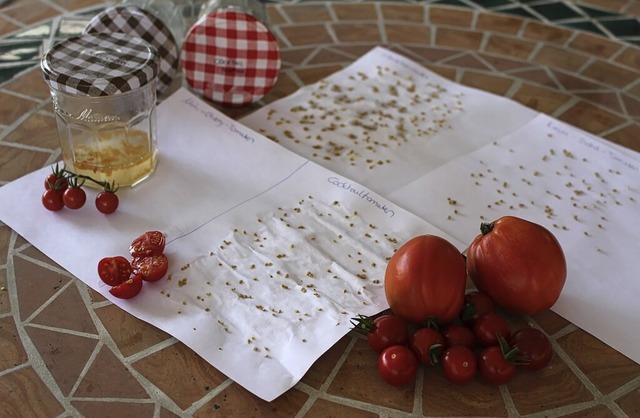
[479, 342]
[149, 263]
[63, 188]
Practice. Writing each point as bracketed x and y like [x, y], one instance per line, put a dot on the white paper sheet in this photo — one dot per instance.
[270, 254]
[583, 189]
[385, 120]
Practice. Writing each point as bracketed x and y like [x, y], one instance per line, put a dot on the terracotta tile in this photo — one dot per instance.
[402, 12]
[407, 33]
[540, 98]
[30, 11]
[274, 15]
[307, 12]
[449, 73]
[33, 252]
[474, 398]
[12, 353]
[130, 334]
[321, 369]
[5, 237]
[458, 38]
[311, 75]
[67, 311]
[555, 57]
[64, 355]
[536, 75]
[326, 409]
[633, 9]
[429, 54]
[598, 411]
[37, 130]
[354, 32]
[611, 5]
[77, 4]
[487, 82]
[588, 353]
[631, 105]
[629, 137]
[634, 91]
[572, 82]
[283, 87]
[554, 386]
[608, 99]
[354, 11]
[13, 107]
[630, 403]
[361, 366]
[543, 32]
[550, 322]
[235, 401]
[94, 296]
[591, 118]
[503, 64]
[24, 394]
[116, 409]
[610, 74]
[467, 60]
[450, 16]
[499, 23]
[7, 26]
[5, 303]
[630, 57]
[165, 413]
[354, 50]
[306, 34]
[35, 285]
[30, 84]
[594, 45]
[165, 369]
[507, 46]
[107, 377]
[325, 56]
[295, 57]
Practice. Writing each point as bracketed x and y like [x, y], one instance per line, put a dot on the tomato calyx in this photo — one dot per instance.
[486, 227]
[509, 353]
[363, 324]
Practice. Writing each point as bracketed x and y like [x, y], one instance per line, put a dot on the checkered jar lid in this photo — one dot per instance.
[100, 65]
[231, 58]
[132, 20]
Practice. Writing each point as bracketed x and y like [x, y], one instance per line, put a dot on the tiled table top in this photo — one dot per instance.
[66, 351]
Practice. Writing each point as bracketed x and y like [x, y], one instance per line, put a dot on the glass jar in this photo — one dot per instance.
[103, 89]
[255, 8]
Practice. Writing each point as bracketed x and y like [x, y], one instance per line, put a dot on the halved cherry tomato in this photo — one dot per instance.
[129, 288]
[456, 334]
[427, 344]
[489, 327]
[534, 348]
[494, 368]
[398, 365]
[476, 304]
[459, 364]
[152, 268]
[114, 270]
[148, 243]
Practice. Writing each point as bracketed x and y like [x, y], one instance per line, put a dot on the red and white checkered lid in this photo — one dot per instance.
[100, 65]
[231, 58]
[134, 21]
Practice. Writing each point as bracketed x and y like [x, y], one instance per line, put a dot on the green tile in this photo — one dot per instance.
[622, 27]
[556, 11]
[452, 3]
[584, 25]
[491, 4]
[595, 13]
[518, 11]
[41, 31]
[20, 51]
[7, 73]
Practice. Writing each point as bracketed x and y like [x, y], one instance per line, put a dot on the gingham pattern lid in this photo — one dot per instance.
[137, 22]
[100, 65]
[230, 57]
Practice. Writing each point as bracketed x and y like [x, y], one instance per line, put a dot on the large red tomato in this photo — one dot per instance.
[520, 264]
[425, 279]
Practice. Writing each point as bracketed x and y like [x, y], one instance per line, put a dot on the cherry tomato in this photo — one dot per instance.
[456, 334]
[398, 365]
[107, 201]
[56, 182]
[114, 270]
[74, 197]
[494, 367]
[519, 264]
[383, 331]
[488, 327]
[459, 364]
[476, 304]
[425, 280]
[152, 268]
[129, 288]
[427, 345]
[534, 348]
[52, 200]
[148, 243]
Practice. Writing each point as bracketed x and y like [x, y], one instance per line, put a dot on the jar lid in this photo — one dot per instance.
[132, 20]
[230, 57]
[100, 65]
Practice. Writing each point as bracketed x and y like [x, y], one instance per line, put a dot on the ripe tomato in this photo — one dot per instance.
[52, 200]
[425, 279]
[519, 264]
[427, 345]
[459, 364]
[152, 268]
[383, 331]
[476, 304]
[488, 327]
[534, 348]
[456, 334]
[114, 270]
[494, 367]
[397, 365]
[129, 288]
[56, 182]
[107, 201]
[148, 243]
[74, 197]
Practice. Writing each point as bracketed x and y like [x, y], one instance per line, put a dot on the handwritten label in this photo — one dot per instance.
[362, 193]
[220, 122]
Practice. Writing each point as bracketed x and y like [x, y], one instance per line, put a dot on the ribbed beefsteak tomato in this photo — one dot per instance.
[425, 280]
[519, 264]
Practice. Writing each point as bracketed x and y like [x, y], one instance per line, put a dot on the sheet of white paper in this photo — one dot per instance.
[271, 254]
[585, 191]
[385, 120]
